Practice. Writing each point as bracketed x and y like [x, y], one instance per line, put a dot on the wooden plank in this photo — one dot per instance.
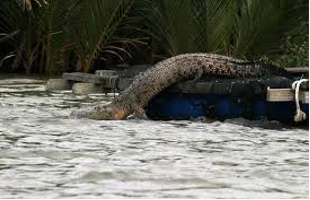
[298, 70]
[280, 94]
[107, 82]
[285, 95]
[82, 77]
[105, 73]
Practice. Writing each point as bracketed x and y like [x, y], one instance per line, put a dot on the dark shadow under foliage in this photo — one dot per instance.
[53, 36]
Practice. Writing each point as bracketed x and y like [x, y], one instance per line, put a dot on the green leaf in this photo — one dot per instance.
[94, 24]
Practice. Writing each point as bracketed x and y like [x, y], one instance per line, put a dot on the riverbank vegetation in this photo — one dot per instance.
[53, 36]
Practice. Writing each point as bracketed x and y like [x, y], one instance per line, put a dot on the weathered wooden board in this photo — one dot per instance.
[298, 70]
[106, 81]
[82, 77]
[285, 95]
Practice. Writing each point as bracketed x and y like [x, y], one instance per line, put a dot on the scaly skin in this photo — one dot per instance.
[170, 71]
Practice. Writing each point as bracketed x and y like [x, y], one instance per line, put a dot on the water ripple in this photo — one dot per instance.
[46, 154]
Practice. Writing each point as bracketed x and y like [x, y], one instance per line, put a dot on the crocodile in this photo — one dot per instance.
[148, 84]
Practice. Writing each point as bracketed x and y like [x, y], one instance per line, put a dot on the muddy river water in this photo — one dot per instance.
[46, 154]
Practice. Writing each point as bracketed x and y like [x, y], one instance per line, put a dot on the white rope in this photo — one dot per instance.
[300, 115]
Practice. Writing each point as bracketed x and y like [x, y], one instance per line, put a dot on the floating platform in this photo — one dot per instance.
[182, 106]
[220, 98]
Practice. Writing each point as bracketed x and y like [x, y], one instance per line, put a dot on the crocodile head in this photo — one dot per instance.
[109, 112]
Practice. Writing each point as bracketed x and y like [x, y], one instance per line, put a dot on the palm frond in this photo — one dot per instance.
[249, 28]
[262, 24]
[214, 22]
[170, 23]
[51, 19]
[27, 5]
[191, 25]
[93, 25]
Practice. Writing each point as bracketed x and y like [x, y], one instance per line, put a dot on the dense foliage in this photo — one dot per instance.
[51, 36]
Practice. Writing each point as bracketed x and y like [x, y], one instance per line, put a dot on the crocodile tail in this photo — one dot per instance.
[261, 68]
[276, 69]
